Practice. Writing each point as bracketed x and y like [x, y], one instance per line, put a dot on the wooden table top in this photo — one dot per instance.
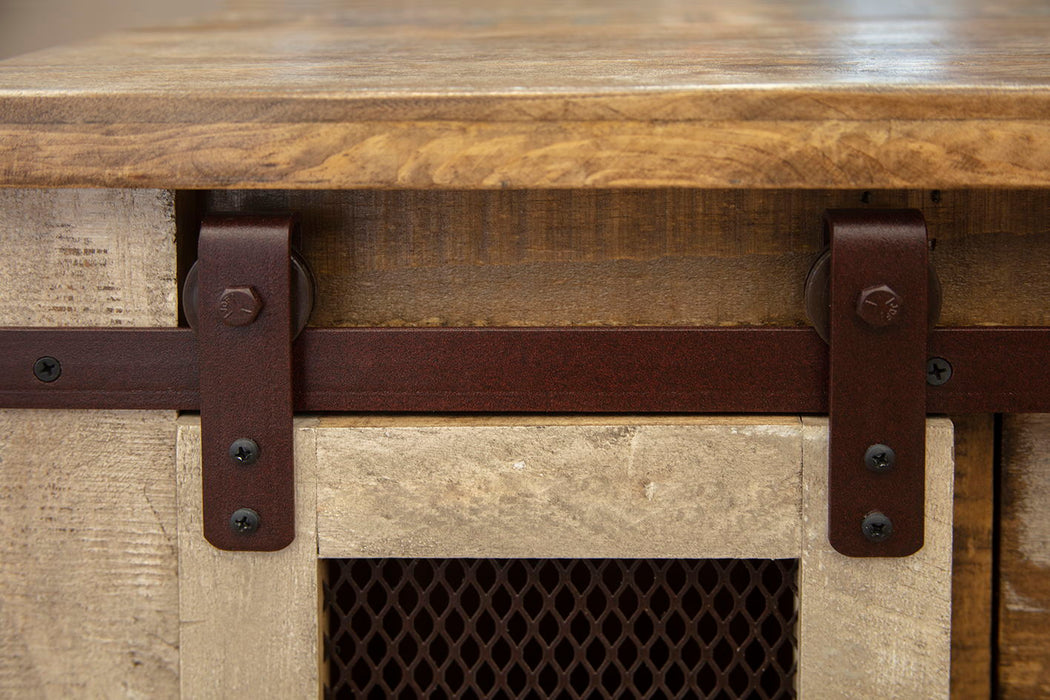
[545, 94]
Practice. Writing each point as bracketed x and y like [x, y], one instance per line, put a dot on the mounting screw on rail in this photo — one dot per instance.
[938, 371]
[47, 369]
[244, 521]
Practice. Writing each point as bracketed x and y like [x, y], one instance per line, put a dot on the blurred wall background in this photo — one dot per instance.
[28, 25]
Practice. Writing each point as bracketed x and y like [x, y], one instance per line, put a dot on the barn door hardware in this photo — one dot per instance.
[877, 280]
[246, 379]
[242, 293]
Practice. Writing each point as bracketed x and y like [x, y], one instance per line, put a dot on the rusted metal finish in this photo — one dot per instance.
[774, 370]
[244, 352]
[877, 375]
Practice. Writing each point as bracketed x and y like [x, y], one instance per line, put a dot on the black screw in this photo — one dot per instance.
[47, 369]
[880, 458]
[876, 527]
[244, 521]
[938, 371]
[244, 451]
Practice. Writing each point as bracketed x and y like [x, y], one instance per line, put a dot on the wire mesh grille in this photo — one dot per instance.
[572, 628]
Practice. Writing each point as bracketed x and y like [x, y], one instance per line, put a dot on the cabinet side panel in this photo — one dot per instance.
[88, 590]
[972, 561]
[1024, 575]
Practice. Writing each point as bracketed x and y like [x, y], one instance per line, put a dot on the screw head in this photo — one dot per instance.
[47, 369]
[879, 306]
[938, 371]
[244, 521]
[876, 527]
[880, 458]
[239, 306]
[244, 451]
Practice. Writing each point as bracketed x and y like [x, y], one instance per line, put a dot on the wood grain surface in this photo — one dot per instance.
[248, 621]
[564, 95]
[682, 487]
[637, 257]
[875, 627]
[88, 555]
[450, 155]
[1024, 584]
[87, 258]
[973, 560]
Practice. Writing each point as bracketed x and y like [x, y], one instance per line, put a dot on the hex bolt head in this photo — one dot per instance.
[880, 458]
[876, 527]
[938, 371]
[244, 451]
[47, 369]
[879, 306]
[244, 521]
[239, 306]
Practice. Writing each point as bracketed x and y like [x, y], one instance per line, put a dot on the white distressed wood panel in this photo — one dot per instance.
[249, 621]
[88, 588]
[685, 488]
[876, 627]
[87, 258]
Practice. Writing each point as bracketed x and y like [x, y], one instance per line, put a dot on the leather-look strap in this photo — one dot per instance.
[877, 394]
[244, 345]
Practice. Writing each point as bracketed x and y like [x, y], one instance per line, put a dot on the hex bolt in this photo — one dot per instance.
[244, 451]
[879, 306]
[47, 369]
[239, 306]
[938, 371]
[876, 527]
[244, 521]
[880, 458]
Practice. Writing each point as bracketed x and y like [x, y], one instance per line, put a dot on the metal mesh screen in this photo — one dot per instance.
[573, 628]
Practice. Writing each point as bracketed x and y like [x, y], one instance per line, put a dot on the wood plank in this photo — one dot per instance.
[972, 558]
[499, 155]
[88, 595]
[1024, 584]
[636, 257]
[875, 628]
[87, 258]
[680, 488]
[88, 590]
[248, 621]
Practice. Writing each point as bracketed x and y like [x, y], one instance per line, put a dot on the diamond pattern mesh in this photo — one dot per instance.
[565, 628]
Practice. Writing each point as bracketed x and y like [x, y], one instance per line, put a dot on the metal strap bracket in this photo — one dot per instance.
[244, 354]
[877, 381]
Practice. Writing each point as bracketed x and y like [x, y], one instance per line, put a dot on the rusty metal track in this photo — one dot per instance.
[601, 370]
